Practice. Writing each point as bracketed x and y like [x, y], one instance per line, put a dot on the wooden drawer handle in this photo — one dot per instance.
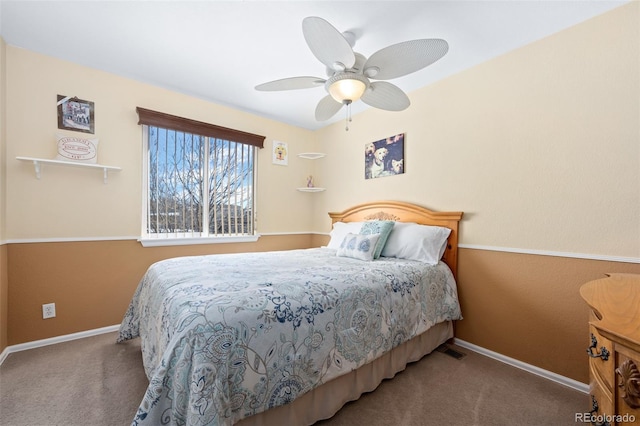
[629, 383]
[604, 353]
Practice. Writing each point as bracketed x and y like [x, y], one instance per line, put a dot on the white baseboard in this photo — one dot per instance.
[53, 340]
[573, 384]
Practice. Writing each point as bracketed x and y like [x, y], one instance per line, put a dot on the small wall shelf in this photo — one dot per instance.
[312, 189]
[37, 163]
[311, 155]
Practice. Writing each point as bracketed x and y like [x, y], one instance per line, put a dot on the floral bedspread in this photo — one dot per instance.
[228, 336]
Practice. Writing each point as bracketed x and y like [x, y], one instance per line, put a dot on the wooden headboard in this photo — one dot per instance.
[406, 212]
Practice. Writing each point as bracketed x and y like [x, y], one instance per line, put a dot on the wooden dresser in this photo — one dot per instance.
[614, 350]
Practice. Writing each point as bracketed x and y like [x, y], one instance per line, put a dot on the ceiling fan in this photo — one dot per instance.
[350, 74]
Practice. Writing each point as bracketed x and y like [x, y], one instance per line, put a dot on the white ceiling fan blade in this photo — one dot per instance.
[404, 58]
[327, 44]
[387, 96]
[327, 108]
[292, 83]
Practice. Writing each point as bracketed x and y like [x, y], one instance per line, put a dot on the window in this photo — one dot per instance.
[199, 181]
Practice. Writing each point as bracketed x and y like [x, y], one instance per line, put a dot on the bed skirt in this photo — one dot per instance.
[323, 402]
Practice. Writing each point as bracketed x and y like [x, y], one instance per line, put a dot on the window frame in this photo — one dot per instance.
[162, 120]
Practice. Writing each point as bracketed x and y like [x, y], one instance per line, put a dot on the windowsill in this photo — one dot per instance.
[168, 241]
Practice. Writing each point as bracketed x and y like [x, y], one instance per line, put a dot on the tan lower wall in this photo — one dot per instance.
[91, 283]
[528, 307]
[4, 290]
[523, 306]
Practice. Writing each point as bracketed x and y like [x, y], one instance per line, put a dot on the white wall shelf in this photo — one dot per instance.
[37, 163]
[311, 189]
[311, 155]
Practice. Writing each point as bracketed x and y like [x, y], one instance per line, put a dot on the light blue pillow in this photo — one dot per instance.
[382, 227]
[358, 246]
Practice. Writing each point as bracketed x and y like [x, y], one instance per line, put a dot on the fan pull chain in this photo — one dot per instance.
[348, 119]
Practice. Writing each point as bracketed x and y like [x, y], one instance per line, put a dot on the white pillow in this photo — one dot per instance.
[340, 230]
[358, 246]
[417, 242]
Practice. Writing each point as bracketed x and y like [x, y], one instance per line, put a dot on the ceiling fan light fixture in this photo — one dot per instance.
[347, 87]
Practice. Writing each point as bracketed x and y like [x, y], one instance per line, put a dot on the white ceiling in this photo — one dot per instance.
[220, 50]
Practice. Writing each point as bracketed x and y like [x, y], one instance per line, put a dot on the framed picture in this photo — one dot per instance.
[384, 157]
[280, 153]
[75, 114]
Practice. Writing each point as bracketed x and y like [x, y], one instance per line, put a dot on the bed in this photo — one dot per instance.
[288, 337]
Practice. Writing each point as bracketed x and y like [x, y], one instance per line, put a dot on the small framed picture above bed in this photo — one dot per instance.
[75, 114]
[384, 157]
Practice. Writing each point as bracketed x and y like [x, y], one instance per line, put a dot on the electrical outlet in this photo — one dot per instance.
[48, 310]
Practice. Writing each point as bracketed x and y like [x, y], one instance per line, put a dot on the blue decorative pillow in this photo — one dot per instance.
[382, 227]
[358, 246]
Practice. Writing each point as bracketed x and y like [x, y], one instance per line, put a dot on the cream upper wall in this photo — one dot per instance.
[540, 148]
[69, 202]
[3, 109]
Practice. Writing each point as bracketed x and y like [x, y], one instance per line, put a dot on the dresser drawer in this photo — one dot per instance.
[601, 402]
[601, 358]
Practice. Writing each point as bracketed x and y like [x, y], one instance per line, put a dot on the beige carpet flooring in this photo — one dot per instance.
[93, 381]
